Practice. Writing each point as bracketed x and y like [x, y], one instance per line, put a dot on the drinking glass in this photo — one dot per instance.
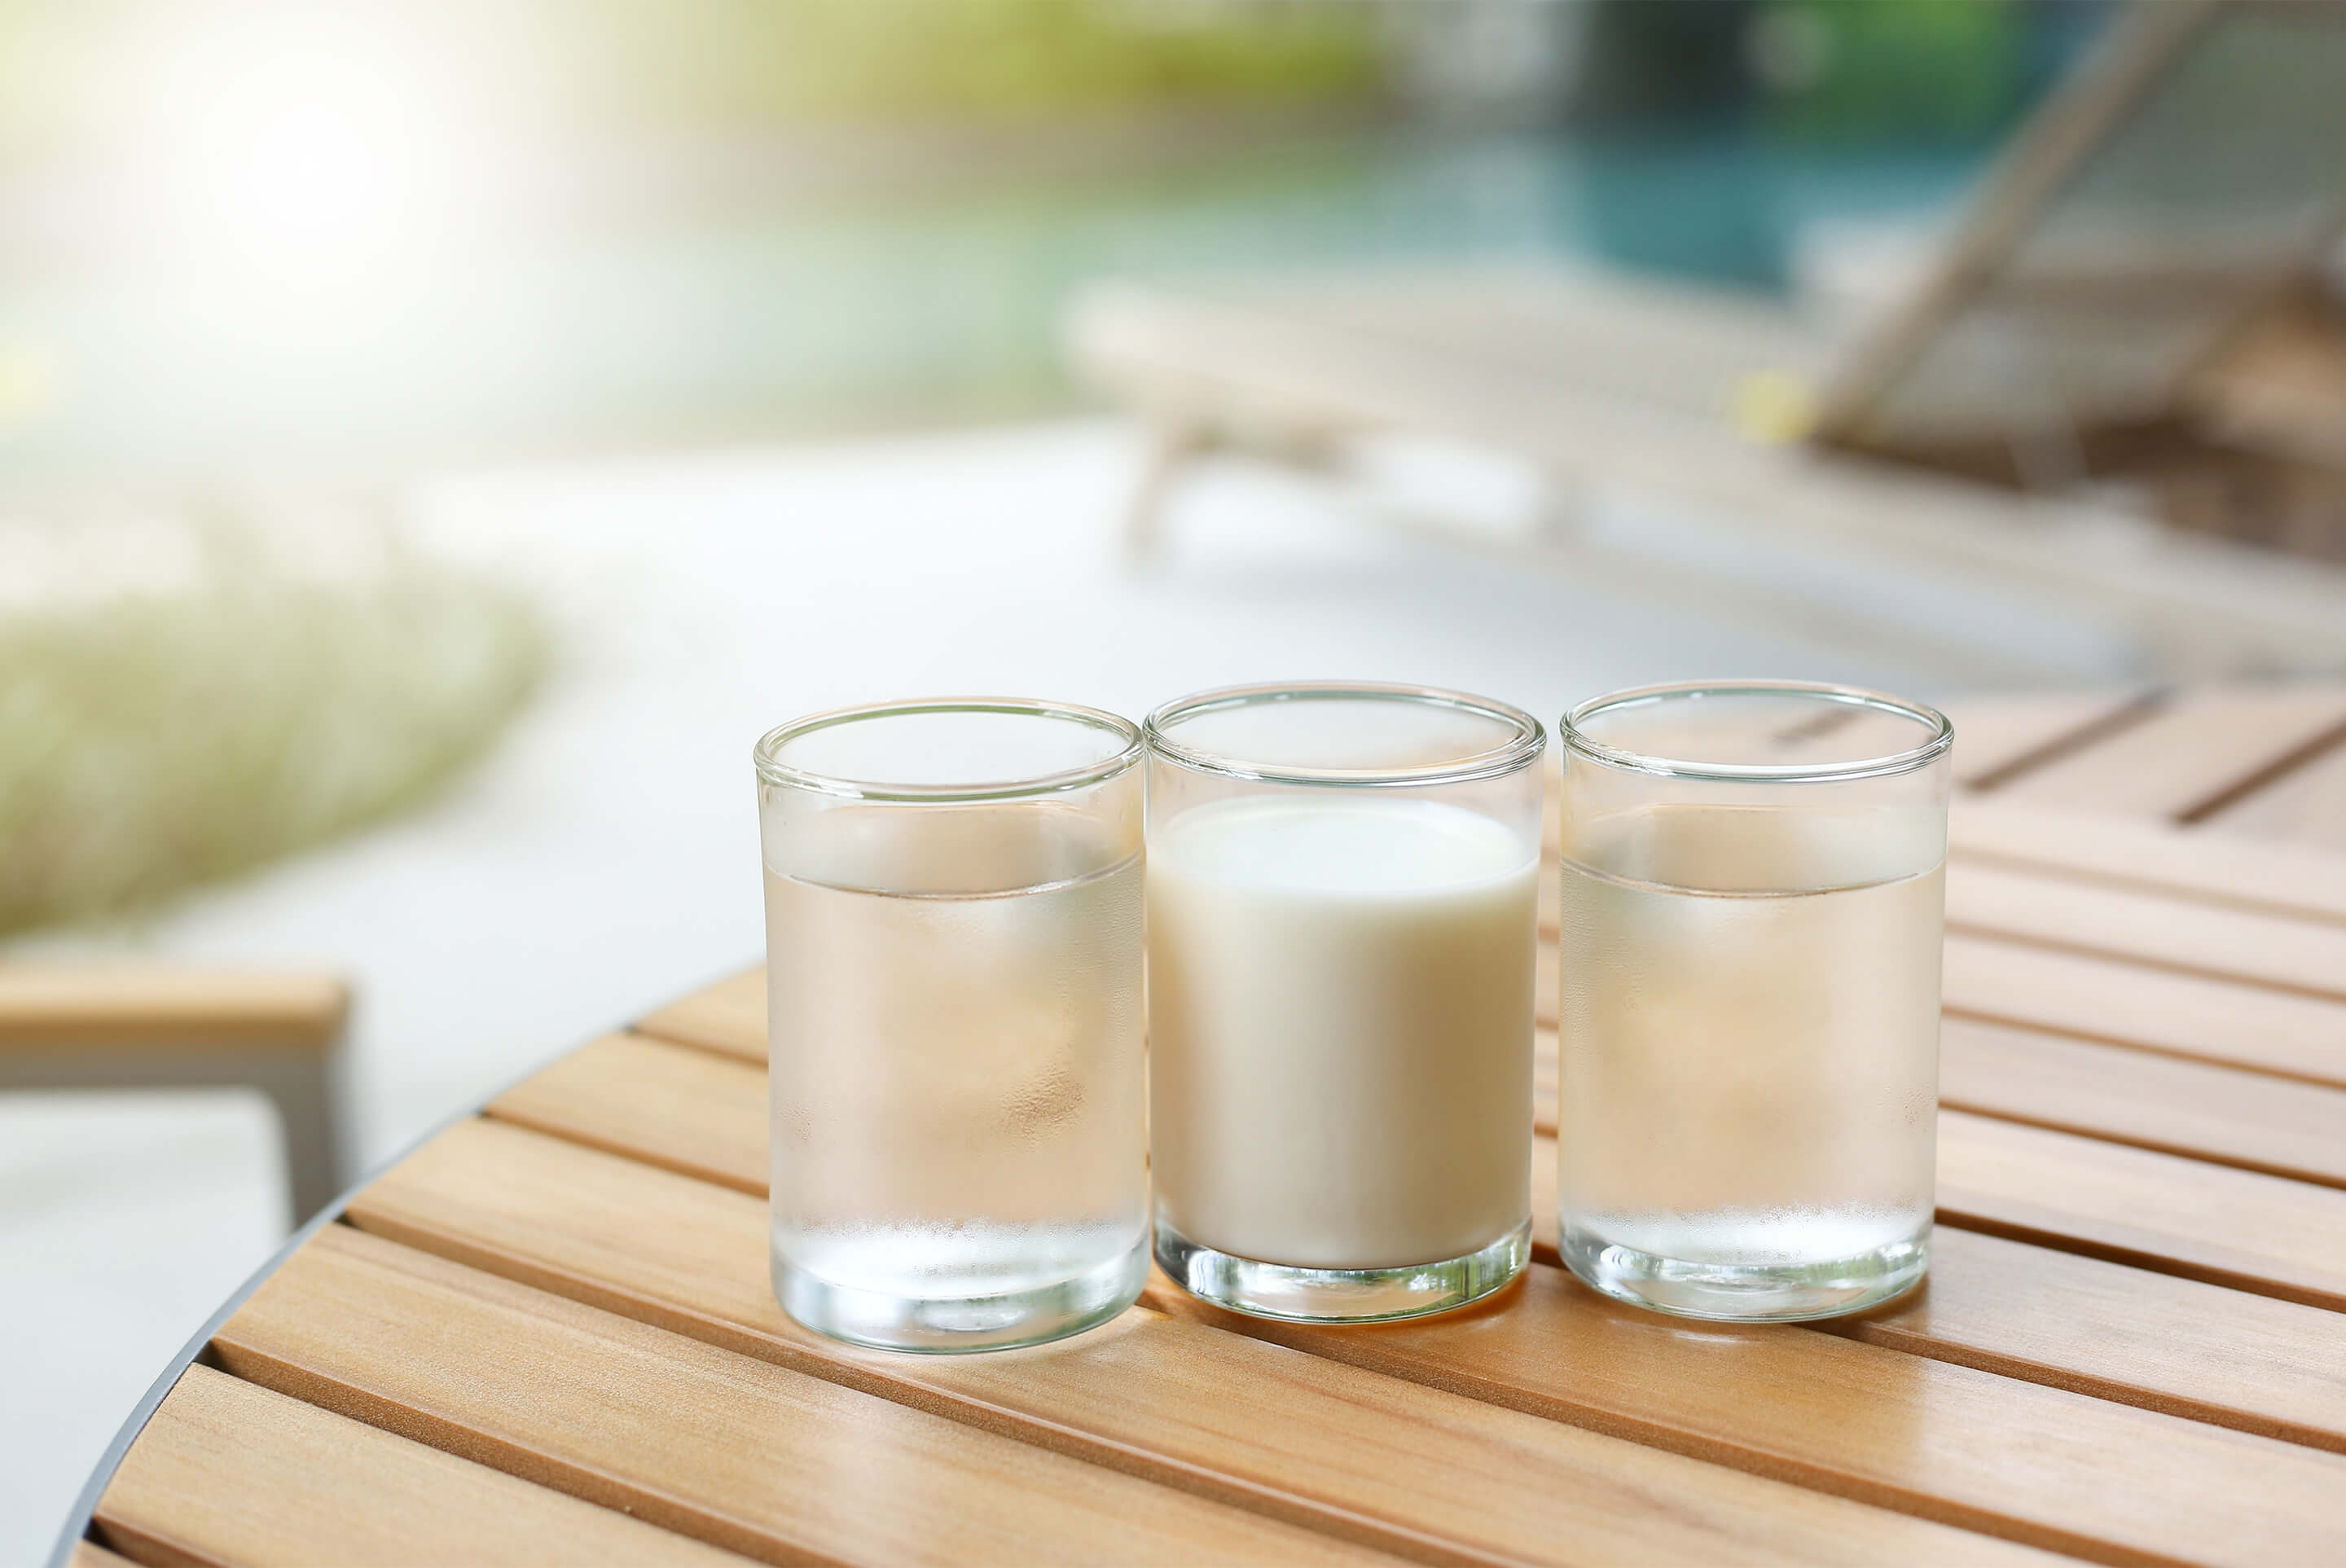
[1342, 921]
[1753, 900]
[953, 992]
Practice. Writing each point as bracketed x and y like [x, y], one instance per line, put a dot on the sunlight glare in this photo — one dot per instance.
[305, 145]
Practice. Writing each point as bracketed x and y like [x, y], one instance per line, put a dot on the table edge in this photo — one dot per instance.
[74, 1529]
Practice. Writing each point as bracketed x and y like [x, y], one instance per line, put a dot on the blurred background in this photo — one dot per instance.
[376, 236]
[437, 437]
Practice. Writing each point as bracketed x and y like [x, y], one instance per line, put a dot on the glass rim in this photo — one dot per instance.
[1530, 737]
[1941, 733]
[771, 769]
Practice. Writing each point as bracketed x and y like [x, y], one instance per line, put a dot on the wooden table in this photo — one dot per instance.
[546, 1336]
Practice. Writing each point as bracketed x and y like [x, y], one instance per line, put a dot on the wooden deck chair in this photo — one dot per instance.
[2129, 299]
[69, 1027]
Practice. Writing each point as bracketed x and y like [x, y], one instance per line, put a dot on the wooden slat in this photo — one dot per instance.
[2170, 1215]
[728, 1016]
[2157, 1010]
[59, 1004]
[2246, 1119]
[2000, 738]
[647, 1099]
[1430, 1474]
[227, 1473]
[2253, 1120]
[687, 1109]
[2306, 805]
[2032, 1320]
[2121, 1333]
[2201, 745]
[2116, 1001]
[2164, 1213]
[2121, 852]
[2248, 945]
[86, 1555]
[2098, 1479]
[721, 1447]
[2076, 1198]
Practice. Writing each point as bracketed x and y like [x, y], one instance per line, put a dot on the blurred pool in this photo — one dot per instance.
[838, 314]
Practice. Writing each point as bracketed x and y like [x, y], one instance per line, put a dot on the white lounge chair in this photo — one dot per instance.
[2123, 336]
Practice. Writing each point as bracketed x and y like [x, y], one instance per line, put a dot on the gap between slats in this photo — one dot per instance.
[732, 1450]
[611, 1091]
[228, 1472]
[2283, 1031]
[1425, 1474]
[2199, 749]
[2088, 998]
[1793, 1404]
[2171, 1104]
[2257, 948]
[2026, 733]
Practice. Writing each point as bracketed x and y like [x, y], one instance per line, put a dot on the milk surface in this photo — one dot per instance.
[1341, 1028]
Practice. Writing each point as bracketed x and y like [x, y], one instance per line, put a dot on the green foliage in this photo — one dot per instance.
[1898, 70]
[148, 743]
[71, 71]
[750, 62]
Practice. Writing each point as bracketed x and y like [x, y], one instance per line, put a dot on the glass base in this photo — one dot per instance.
[950, 1325]
[1341, 1295]
[1747, 1293]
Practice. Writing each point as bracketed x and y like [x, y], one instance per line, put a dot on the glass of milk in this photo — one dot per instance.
[1752, 911]
[956, 1047]
[1342, 917]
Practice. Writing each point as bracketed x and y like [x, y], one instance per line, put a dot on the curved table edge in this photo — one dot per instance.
[75, 1528]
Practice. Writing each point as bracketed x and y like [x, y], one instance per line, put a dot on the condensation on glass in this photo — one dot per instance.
[1752, 902]
[953, 975]
[1343, 916]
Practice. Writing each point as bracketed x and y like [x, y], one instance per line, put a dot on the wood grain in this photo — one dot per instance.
[2116, 1001]
[1427, 1473]
[690, 1110]
[2306, 805]
[673, 1106]
[229, 1473]
[2251, 1120]
[2242, 1230]
[2151, 1009]
[58, 1005]
[728, 1016]
[626, 1103]
[2213, 863]
[729, 1450]
[2123, 1334]
[1999, 739]
[2036, 1322]
[2202, 744]
[2247, 945]
[2095, 1479]
[2160, 1212]
[86, 1555]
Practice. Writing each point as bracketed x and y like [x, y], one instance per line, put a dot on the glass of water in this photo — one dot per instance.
[1753, 903]
[954, 979]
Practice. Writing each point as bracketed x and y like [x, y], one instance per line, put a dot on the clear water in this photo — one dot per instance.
[957, 1085]
[1749, 1070]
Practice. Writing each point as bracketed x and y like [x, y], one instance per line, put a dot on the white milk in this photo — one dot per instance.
[1341, 1028]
